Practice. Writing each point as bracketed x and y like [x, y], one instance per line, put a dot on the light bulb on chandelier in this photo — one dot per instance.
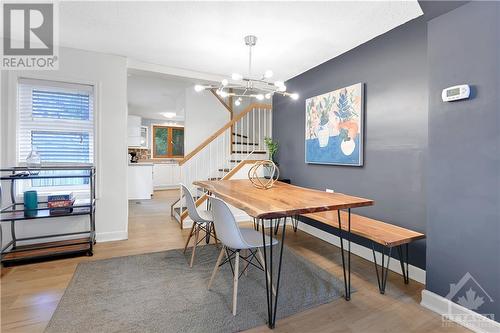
[199, 88]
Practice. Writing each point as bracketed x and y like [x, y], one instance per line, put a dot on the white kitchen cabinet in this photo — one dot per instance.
[134, 131]
[166, 175]
[144, 137]
[140, 181]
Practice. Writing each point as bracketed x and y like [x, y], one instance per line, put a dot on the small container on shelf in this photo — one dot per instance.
[60, 203]
[30, 203]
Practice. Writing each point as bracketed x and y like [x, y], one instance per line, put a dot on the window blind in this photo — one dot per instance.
[58, 119]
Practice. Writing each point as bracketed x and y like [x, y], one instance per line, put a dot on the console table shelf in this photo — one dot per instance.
[13, 251]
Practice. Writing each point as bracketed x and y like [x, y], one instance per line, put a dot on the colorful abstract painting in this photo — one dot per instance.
[334, 127]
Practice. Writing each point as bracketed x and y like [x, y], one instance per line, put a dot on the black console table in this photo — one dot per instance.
[82, 242]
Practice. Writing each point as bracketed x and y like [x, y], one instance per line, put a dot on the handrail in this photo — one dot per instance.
[222, 129]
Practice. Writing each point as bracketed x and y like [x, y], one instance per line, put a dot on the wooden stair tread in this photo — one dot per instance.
[245, 152]
[245, 143]
[225, 170]
[33, 251]
[380, 232]
[240, 135]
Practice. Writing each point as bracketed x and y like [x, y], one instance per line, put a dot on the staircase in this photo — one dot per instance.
[236, 144]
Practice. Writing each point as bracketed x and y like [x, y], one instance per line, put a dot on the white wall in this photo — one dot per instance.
[3, 116]
[204, 115]
[109, 75]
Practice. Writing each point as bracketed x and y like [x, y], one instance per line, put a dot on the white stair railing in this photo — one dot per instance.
[233, 143]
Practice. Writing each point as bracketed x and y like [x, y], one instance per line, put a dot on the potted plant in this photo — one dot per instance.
[272, 148]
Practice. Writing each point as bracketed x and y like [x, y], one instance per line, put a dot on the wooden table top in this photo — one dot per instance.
[279, 201]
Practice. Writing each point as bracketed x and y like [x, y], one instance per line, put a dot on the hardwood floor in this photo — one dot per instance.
[30, 293]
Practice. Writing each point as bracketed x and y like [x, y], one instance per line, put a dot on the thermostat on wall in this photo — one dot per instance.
[456, 93]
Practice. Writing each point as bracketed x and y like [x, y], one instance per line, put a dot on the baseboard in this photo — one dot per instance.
[416, 273]
[111, 236]
[454, 312]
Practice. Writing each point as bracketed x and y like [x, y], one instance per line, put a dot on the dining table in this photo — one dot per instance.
[281, 202]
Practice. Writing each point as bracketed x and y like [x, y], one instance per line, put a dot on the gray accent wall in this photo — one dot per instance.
[430, 166]
[393, 68]
[463, 200]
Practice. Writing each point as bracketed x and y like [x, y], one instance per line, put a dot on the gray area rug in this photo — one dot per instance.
[158, 292]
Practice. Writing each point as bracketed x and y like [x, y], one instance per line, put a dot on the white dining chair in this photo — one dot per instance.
[202, 221]
[235, 239]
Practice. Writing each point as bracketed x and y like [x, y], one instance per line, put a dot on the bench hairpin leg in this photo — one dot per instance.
[347, 276]
[382, 278]
[403, 259]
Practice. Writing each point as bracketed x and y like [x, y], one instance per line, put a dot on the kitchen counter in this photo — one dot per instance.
[141, 164]
[161, 161]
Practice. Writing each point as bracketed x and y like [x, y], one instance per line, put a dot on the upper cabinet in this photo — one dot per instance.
[168, 142]
[134, 131]
[144, 137]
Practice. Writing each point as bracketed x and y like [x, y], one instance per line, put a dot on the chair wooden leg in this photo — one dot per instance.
[216, 268]
[189, 238]
[196, 235]
[261, 258]
[235, 281]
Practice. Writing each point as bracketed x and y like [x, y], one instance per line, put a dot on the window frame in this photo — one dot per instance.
[82, 190]
[169, 139]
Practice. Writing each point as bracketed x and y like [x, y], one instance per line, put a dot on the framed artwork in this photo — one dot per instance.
[334, 127]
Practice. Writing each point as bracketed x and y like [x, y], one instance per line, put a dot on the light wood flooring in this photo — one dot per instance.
[30, 293]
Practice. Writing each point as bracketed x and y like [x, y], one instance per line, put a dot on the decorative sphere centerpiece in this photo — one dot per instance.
[260, 182]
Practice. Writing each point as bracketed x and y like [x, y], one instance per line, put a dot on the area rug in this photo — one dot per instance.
[158, 292]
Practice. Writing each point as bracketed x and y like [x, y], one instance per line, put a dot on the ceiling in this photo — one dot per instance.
[150, 95]
[208, 36]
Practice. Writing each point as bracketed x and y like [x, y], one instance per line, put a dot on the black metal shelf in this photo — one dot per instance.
[14, 212]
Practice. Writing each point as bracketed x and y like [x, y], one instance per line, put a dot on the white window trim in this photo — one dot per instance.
[12, 113]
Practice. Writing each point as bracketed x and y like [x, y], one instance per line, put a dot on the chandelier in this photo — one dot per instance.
[240, 86]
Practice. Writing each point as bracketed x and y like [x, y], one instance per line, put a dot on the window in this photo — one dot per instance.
[57, 119]
[168, 141]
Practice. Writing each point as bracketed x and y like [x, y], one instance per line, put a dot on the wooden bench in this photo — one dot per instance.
[385, 234]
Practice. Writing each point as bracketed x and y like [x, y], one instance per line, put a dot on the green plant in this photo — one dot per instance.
[272, 147]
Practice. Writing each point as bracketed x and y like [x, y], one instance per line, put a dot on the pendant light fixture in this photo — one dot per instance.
[240, 86]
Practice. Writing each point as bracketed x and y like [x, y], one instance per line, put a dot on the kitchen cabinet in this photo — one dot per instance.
[140, 181]
[166, 175]
[134, 131]
[144, 137]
